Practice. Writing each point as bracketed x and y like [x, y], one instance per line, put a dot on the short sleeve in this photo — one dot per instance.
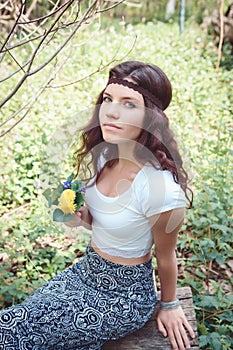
[161, 193]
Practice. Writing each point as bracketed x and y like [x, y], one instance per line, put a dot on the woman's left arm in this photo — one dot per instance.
[171, 323]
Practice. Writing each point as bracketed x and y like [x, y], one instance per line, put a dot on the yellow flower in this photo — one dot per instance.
[66, 202]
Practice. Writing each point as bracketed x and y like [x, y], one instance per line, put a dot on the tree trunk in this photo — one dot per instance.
[170, 9]
[182, 16]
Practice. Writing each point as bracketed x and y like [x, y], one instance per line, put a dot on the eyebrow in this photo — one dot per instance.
[124, 98]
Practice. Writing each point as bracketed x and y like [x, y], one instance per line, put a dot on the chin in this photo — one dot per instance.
[112, 140]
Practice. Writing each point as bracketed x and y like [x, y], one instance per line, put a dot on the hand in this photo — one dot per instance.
[173, 323]
[81, 217]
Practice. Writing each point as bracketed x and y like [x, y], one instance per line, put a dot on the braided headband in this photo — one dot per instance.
[140, 89]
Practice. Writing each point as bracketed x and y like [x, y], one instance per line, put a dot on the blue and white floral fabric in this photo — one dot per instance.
[86, 305]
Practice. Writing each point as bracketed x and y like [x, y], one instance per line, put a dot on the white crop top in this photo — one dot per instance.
[120, 225]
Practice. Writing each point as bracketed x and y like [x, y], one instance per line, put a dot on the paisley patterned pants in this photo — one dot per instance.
[81, 308]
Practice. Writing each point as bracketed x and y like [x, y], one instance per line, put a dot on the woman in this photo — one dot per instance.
[136, 196]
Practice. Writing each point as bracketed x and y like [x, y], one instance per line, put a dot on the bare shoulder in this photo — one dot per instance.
[168, 221]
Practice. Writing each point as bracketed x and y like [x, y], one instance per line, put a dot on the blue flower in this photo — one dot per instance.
[67, 184]
[83, 190]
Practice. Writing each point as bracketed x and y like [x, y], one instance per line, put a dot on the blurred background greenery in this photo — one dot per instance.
[54, 101]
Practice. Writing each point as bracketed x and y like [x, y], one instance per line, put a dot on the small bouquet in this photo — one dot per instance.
[68, 197]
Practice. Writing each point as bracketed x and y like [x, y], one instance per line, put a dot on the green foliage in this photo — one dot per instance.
[216, 327]
[34, 251]
[53, 195]
[150, 10]
[39, 151]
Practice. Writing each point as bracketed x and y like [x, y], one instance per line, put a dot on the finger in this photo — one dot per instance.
[184, 333]
[68, 224]
[173, 340]
[182, 338]
[189, 329]
[82, 209]
[161, 328]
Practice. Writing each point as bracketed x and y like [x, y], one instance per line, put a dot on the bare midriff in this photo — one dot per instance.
[121, 260]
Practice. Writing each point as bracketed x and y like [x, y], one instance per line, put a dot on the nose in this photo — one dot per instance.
[113, 111]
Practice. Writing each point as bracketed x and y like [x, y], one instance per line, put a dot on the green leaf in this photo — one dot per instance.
[210, 301]
[58, 191]
[203, 341]
[53, 195]
[59, 216]
[71, 177]
[223, 228]
[48, 195]
[216, 341]
[79, 200]
[77, 185]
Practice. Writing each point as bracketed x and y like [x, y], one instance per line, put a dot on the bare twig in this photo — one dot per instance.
[30, 33]
[117, 3]
[98, 70]
[63, 16]
[16, 71]
[44, 38]
[15, 24]
[62, 26]
[49, 15]
[31, 8]
[28, 71]
[217, 312]
[30, 104]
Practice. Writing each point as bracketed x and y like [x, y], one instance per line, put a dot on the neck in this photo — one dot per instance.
[126, 155]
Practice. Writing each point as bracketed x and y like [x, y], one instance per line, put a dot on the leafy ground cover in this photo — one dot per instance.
[33, 249]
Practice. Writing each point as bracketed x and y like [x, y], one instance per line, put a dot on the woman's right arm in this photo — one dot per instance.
[81, 217]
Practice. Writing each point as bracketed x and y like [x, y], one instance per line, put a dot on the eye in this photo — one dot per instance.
[130, 104]
[107, 99]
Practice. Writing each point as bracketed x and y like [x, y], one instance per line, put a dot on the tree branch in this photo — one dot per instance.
[65, 16]
[30, 104]
[111, 7]
[28, 73]
[98, 70]
[23, 3]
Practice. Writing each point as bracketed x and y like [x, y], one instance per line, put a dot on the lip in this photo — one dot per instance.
[111, 126]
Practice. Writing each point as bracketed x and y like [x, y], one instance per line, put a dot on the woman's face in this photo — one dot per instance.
[121, 114]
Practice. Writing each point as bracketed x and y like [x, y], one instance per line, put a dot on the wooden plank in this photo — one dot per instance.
[148, 337]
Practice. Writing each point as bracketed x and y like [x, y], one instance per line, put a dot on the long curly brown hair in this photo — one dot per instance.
[156, 136]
